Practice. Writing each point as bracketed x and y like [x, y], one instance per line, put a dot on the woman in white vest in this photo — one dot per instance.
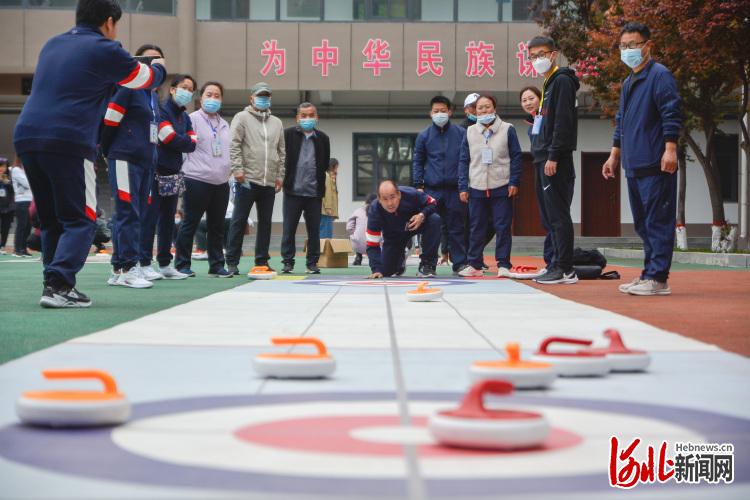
[489, 175]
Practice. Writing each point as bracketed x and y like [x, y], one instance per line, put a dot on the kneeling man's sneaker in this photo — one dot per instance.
[63, 297]
[558, 277]
[426, 271]
[170, 273]
[133, 279]
[627, 286]
[470, 272]
[650, 287]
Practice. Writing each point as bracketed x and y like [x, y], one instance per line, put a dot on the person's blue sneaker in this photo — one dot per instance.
[220, 273]
[187, 272]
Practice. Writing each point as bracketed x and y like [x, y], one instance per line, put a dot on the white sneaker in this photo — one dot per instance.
[470, 272]
[627, 286]
[112, 281]
[133, 279]
[650, 287]
[148, 273]
[504, 272]
[199, 256]
[170, 273]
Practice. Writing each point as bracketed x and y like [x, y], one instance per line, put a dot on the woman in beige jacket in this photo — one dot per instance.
[330, 205]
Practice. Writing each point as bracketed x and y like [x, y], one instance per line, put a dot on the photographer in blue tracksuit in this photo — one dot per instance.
[435, 171]
[56, 137]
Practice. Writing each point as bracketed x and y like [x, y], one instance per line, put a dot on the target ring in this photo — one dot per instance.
[390, 283]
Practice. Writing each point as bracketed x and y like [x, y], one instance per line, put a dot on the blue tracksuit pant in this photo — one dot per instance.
[64, 188]
[453, 213]
[130, 190]
[497, 210]
[653, 201]
[394, 247]
[159, 224]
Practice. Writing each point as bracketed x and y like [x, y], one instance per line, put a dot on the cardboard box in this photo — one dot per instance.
[334, 253]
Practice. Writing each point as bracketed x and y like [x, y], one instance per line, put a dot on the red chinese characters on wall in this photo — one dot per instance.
[377, 54]
[325, 56]
[481, 59]
[525, 68]
[429, 59]
[275, 58]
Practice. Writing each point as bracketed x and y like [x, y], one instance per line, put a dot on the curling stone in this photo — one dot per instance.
[261, 273]
[74, 408]
[472, 425]
[525, 272]
[295, 365]
[424, 293]
[580, 363]
[622, 359]
[522, 374]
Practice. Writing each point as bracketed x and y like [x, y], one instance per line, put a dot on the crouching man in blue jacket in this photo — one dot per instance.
[56, 137]
[400, 213]
[647, 127]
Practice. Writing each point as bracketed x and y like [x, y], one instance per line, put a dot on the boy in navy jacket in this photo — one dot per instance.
[647, 127]
[435, 171]
[56, 136]
[398, 214]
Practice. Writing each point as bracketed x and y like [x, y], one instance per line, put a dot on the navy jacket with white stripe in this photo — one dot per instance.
[76, 74]
[176, 136]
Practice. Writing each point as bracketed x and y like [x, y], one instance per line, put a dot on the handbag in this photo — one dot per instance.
[171, 185]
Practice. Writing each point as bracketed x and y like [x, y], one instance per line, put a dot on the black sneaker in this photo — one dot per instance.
[357, 260]
[221, 273]
[233, 270]
[288, 268]
[485, 267]
[186, 270]
[313, 269]
[558, 277]
[61, 298]
[426, 271]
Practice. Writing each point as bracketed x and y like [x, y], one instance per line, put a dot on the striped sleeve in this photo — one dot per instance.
[193, 136]
[140, 78]
[114, 115]
[166, 132]
[373, 238]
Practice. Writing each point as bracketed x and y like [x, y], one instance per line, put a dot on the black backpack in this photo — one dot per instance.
[589, 265]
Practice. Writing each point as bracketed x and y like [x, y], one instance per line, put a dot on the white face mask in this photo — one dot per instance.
[440, 119]
[542, 65]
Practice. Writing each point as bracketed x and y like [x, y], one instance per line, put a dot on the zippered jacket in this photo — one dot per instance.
[257, 147]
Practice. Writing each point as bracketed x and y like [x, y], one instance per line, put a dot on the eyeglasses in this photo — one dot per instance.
[539, 55]
[632, 45]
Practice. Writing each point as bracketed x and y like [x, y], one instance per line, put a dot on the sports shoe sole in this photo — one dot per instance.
[564, 281]
[51, 303]
[214, 275]
[137, 287]
[651, 293]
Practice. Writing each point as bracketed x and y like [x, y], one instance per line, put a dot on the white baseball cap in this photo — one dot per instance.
[471, 99]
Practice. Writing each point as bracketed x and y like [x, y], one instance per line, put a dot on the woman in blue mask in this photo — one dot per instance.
[489, 174]
[207, 171]
[176, 138]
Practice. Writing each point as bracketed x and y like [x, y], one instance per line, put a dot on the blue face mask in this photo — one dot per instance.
[183, 97]
[472, 118]
[307, 124]
[262, 102]
[631, 57]
[440, 119]
[486, 119]
[211, 105]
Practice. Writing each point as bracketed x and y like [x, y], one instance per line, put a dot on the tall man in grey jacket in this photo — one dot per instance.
[257, 154]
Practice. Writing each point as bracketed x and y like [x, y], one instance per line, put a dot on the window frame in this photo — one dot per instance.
[125, 5]
[356, 136]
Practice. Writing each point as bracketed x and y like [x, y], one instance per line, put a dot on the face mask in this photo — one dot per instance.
[211, 105]
[307, 124]
[542, 65]
[182, 97]
[631, 57]
[262, 102]
[486, 119]
[440, 119]
[472, 118]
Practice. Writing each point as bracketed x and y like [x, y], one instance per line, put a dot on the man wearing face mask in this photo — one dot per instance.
[647, 126]
[56, 137]
[435, 171]
[308, 154]
[257, 153]
[554, 136]
[470, 109]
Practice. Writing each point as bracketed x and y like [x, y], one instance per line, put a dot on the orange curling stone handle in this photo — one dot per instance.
[322, 352]
[616, 345]
[544, 347]
[514, 360]
[524, 269]
[260, 270]
[472, 406]
[109, 393]
[423, 288]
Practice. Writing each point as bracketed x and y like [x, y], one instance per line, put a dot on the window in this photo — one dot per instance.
[136, 6]
[382, 10]
[523, 10]
[300, 10]
[728, 156]
[339, 10]
[378, 157]
[221, 9]
[478, 10]
[11, 3]
[437, 10]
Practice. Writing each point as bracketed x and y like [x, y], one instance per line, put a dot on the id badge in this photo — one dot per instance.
[487, 156]
[3, 193]
[216, 148]
[154, 133]
[537, 125]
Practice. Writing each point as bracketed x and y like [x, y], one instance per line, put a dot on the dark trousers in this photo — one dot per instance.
[165, 228]
[496, 211]
[244, 198]
[148, 217]
[653, 200]
[394, 246]
[549, 247]
[6, 219]
[201, 235]
[555, 195]
[23, 225]
[294, 207]
[199, 198]
[130, 188]
[453, 214]
[64, 188]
